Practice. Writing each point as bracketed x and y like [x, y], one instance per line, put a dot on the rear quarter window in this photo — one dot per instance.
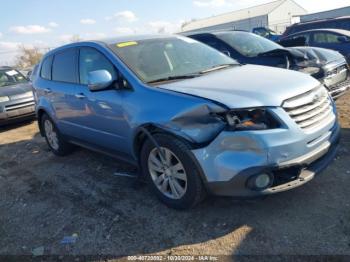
[46, 68]
[64, 66]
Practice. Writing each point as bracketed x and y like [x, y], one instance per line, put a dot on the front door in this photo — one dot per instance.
[105, 125]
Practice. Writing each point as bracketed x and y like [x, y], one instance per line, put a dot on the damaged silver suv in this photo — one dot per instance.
[193, 119]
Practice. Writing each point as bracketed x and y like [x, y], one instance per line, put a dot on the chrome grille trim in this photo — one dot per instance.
[19, 106]
[310, 109]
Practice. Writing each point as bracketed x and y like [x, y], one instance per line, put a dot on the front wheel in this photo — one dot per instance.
[53, 137]
[172, 172]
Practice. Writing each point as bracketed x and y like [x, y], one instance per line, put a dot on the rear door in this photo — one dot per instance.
[67, 96]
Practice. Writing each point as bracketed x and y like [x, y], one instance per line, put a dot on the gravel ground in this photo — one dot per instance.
[44, 198]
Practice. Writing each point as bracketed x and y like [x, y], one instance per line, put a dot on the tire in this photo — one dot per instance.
[53, 138]
[186, 175]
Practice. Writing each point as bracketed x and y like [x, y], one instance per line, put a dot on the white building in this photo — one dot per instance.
[275, 15]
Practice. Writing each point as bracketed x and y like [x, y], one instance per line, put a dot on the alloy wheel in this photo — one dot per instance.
[168, 173]
[51, 134]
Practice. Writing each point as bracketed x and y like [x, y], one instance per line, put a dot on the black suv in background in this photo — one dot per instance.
[327, 66]
[335, 23]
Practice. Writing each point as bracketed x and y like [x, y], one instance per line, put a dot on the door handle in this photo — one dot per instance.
[47, 90]
[80, 96]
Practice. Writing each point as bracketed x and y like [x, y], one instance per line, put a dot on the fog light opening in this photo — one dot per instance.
[261, 181]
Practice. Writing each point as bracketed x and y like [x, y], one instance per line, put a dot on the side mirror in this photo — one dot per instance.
[343, 39]
[99, 80]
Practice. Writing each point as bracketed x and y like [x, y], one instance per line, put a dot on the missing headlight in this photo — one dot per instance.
[250, 119]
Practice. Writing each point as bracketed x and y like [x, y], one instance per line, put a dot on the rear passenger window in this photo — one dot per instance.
[46, 68]
[326, 38]
[92, 60]
[64, 68]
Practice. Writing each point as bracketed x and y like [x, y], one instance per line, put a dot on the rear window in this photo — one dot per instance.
[64, 67]
[46, 68]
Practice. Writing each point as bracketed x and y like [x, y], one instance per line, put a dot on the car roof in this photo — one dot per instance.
[5, 67]
[339, 31]
[216, 32]
[109, 41]
[119, 39]
[322, 20]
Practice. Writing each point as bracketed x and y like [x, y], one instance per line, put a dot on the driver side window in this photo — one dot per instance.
[92, 60]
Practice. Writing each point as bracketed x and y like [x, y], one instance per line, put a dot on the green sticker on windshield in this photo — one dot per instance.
[125, 44]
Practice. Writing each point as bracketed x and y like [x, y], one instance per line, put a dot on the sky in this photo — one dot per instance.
[43, 23]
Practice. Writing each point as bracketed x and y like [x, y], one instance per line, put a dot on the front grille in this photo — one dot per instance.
[310, 109]
[22, 96]
[337, 70]
[342, 86]
[13, 107]
[336, 76]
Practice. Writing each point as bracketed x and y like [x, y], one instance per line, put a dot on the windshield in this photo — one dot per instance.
[248, 44]
[11, 77]
[161, 58]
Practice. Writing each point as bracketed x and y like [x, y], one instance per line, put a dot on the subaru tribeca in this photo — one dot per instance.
[193, 119]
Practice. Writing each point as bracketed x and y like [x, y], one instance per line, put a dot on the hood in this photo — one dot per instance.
[315, 55]
[246, 86]
[15, 89]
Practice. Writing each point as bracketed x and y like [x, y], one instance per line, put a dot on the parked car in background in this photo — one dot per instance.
[26, 72]
[335, 39]
[16, 96]
[266, 33]
[194, 119]
[334, 23]
[327, 66]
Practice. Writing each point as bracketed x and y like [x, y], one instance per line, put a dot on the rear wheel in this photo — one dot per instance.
[54, 139]
[172, 172]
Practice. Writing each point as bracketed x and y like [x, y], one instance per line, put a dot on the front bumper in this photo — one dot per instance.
[17, 110]
[340, 89]
[337, 80]
[291, 156]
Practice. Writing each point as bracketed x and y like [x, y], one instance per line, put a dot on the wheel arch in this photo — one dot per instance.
[143, 133]
[40, 114]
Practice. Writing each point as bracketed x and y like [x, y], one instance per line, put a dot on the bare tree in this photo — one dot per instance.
[28, 57]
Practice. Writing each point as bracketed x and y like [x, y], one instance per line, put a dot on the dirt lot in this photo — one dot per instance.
[44, 198]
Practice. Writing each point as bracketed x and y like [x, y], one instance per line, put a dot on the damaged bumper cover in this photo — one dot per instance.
[234, 158]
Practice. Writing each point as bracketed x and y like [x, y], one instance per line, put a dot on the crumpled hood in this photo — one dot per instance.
[316, 55]
[246, 86]
[15, 89]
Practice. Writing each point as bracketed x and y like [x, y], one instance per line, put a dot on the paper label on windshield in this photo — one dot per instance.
[125, 44]
[12, 73]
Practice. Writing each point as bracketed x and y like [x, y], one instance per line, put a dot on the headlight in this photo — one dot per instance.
[251, 119]
[4, 99]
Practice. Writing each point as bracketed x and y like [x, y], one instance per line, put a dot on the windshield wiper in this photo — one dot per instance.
[171, 78]
[217, 67]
